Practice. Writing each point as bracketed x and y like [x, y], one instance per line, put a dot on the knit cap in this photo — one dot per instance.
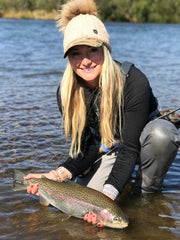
[81, 26]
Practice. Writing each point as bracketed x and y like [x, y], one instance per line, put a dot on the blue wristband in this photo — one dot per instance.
[106, 149]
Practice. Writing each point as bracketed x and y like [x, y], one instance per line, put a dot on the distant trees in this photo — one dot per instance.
[110, 10]
[47, 5]
[140, 10]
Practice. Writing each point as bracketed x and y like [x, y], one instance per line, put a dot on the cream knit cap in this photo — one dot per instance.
[81, 26]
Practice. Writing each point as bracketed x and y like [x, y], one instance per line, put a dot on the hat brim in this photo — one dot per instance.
[83, 41]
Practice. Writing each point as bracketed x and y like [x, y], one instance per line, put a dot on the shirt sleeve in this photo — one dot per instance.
[137, 98]
[85, 159]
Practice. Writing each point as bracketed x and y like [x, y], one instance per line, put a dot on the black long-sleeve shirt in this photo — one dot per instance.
[139, 103]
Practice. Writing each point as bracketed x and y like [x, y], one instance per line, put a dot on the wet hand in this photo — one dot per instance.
[33, 189]
[91, 217]
[60, 174]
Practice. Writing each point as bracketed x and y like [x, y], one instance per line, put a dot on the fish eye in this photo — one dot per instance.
[117, 219]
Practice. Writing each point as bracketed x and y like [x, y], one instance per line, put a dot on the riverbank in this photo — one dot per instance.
[53, 15]
[27, 14]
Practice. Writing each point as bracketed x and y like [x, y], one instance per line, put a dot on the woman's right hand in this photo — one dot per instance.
[33, 189]
[60, 174]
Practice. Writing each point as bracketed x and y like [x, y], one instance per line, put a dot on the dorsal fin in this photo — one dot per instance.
[67, 181]
[44, 177]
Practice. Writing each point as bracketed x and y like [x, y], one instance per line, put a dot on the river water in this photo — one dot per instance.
[32, 137]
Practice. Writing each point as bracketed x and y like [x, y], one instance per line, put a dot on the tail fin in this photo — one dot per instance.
[19, 181]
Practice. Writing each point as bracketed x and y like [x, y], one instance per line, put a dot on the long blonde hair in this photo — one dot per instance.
[111, 103]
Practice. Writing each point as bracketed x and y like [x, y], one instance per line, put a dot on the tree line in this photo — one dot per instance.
[162, 11]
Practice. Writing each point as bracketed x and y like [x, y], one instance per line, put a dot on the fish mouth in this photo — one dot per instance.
[124, 225]
[119, 225]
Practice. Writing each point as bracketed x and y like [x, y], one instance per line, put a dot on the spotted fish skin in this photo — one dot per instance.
[76, 200]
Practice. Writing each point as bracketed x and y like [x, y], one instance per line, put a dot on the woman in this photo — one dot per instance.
[107, 116]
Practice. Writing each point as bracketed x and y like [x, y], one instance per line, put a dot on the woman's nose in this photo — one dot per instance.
[86, 61]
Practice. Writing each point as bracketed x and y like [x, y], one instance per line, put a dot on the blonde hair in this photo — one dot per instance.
[74, 106]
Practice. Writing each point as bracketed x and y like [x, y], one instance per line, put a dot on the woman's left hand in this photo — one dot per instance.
[91, 217]
[108, 195]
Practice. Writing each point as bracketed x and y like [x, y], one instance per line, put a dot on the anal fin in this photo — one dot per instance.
[65, 218]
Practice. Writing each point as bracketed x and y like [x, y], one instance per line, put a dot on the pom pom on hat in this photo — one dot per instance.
[74, 8]
[81, 26]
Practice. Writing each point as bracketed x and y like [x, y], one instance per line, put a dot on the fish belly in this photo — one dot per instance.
[67, 204]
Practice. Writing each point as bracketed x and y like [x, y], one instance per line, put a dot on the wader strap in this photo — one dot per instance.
[154, 115]
[125, 67]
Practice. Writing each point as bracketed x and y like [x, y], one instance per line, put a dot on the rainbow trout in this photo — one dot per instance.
[76, 200]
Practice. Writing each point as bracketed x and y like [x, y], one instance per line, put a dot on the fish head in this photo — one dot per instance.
[113, 220]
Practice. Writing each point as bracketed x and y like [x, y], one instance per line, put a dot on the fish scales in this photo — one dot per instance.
[77, 200]
[73, 191]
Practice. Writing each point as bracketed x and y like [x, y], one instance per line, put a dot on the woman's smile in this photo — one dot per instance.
[88, 69]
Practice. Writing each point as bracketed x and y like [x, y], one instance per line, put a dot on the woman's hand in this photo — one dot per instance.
[91, 217]
[33, 189]
[60, 174]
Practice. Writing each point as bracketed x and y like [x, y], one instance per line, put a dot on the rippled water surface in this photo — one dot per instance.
[31, 132]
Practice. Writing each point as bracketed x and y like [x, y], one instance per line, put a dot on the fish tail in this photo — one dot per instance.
[18, 180]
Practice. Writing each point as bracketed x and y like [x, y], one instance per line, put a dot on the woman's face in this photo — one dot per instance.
[87, 63]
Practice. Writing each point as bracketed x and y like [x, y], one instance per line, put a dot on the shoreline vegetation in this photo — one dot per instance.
[27, 14]
[157, 11]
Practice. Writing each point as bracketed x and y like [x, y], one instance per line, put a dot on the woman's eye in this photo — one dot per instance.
[75, 54]
[94, 50]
